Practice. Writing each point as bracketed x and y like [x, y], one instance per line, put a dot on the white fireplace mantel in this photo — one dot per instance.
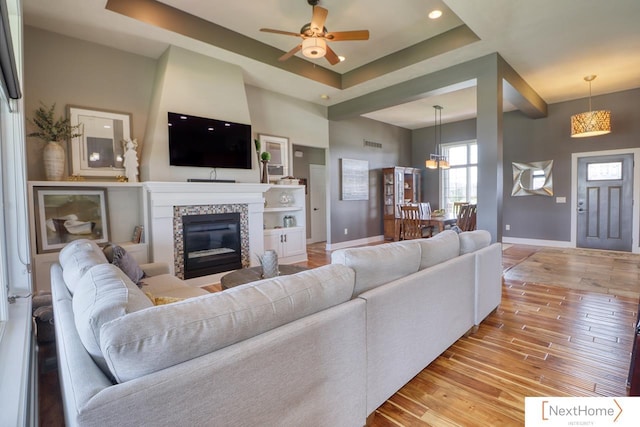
[163, 196]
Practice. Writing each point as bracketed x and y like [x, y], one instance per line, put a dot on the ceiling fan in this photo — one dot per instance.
[315, 36]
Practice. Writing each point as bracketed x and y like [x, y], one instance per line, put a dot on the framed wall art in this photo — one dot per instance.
[99, 151]
[65, 214]
[278, 147]
[355, 179]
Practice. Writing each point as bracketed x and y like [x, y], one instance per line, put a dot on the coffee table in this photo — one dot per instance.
[252, 274]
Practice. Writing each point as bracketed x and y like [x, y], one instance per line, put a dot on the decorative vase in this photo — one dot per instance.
[269, 264]
[265, 172]
[53, 157]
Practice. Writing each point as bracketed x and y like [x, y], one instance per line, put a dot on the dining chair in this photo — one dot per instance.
[411, 224]
[425, 213]
[457, 206]
[467, 217]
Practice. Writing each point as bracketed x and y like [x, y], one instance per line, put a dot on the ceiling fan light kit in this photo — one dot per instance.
[315, 35]
[314, 47]
[590, 123]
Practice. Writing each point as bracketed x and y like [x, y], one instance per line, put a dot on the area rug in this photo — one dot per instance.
[609, 272]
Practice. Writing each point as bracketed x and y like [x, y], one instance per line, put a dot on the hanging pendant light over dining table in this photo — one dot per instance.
[590, 123]
[437, 160]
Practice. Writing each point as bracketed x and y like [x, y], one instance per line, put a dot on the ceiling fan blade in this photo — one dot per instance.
[318, 18]
[286, 33]
[331, 56]
[339, 36]
[291, 53]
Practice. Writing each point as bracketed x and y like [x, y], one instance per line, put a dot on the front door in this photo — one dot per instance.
[605, 202]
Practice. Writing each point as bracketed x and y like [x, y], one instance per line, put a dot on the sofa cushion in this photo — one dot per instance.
[471, 241]
[377, 265]
[440, 248]
[77, 258]
[103, 294]
[122, 259]
[170, 334]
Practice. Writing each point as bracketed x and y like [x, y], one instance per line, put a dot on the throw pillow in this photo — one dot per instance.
[162, 300]
[117, 256]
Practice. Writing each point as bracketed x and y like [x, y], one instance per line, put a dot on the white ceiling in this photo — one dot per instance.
[552, 44]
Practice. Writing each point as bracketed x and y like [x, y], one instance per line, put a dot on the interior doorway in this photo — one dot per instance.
[604, 186]
[309, 164]
[318, 203]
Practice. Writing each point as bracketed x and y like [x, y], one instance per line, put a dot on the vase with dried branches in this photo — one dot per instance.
[52, 132]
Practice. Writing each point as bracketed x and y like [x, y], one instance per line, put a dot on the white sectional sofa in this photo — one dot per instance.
[421, 297]
[324, 347]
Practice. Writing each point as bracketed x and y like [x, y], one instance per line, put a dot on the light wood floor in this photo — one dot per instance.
[544, 340]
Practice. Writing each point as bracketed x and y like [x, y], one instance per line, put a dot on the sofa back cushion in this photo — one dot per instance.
[147, 341]
[471, 241]
[77, 258]
[377, 265]
[440, 248]
[104, 293]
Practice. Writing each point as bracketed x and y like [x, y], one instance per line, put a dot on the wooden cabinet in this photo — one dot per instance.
[288, 243]
[285, 223]
[400, 185]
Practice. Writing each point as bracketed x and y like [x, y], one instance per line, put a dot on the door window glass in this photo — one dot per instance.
[604, 171]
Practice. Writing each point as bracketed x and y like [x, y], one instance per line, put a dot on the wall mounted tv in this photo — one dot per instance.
[202, 142]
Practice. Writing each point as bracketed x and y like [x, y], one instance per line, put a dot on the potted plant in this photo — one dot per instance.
[52, 131]
[265, 157]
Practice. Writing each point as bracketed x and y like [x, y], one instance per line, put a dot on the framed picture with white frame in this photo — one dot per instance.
[278, 147]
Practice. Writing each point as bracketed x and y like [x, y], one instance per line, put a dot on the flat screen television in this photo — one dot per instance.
[202, 142]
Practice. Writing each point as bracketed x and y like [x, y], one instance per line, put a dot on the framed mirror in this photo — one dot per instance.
[533, 178]
[99, 151]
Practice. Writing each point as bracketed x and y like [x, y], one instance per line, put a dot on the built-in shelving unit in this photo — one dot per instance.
[126, 208]
[285, 223]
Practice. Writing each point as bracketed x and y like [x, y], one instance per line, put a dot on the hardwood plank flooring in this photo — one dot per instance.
[544, 340]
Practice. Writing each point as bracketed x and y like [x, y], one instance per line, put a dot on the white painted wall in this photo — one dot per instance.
[302, 122]
[190, 83]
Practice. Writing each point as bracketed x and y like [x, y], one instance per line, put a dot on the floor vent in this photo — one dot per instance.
[372, 144]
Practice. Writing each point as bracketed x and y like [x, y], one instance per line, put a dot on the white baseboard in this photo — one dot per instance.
[537, 242]
[351, 243]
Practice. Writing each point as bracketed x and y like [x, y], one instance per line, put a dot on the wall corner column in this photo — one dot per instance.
[490, 146]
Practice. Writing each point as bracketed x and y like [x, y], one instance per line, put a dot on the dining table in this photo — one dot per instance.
[438, 221]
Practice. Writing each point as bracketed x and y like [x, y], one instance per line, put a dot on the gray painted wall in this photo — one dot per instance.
[363, 218]
[529, 140]
[526, 140]
[68, 71]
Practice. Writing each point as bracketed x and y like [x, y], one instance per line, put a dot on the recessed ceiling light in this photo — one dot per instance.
[435, 14]
[324, 96]
[341, 58]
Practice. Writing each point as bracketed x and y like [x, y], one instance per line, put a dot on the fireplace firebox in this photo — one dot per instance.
[211, 244]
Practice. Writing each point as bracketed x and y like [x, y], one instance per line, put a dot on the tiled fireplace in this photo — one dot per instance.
[210, 239]
[170, 202]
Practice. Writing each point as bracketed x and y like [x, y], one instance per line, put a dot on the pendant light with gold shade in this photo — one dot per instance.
[437, 160]
[590, 123]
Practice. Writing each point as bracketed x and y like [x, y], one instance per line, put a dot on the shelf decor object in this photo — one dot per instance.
[64, 214]
[53, 132]
[278, 148]
[590, 123]
[98, 151]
